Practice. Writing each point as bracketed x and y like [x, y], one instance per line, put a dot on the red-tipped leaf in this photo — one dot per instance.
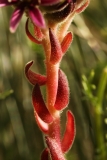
[38, 34]
[55, 149]
[33, 39]
[83, 7]
[69, 134]
[45, 154]
[66, 42]
[33, 77]
[62, 97]
[56, 51]
[39, 105]
[44, 127]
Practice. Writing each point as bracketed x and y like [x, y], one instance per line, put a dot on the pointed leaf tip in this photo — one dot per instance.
[44, 127]
[38, 34]
[83, 7]
[62, 97]
[33, 77]
[56, 52]
[66, 42]
[33, 39]
[39, 105]
[69, 134]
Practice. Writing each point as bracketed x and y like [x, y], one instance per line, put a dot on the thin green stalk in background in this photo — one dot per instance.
[101, 153]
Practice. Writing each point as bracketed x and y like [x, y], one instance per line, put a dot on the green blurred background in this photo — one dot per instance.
[20, 138]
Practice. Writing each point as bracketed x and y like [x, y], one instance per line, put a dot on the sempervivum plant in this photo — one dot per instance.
[51, 20]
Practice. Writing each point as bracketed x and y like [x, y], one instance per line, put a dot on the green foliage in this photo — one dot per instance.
[5, 94]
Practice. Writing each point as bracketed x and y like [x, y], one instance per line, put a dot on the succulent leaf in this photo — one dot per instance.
[32, 38]
[38, 34]
[56, 52]
[66, 42]
[69, 134]
[62, 97]
[39, 105]
[44, 127]
[34, 78]
[83, 7]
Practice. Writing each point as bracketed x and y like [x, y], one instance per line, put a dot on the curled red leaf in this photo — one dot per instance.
[33, 39]
[39, 105]
[69, 134]
[66, 42]
[56, 51]
[62, 97]
[33, 77]
[44, 127]
[38, 34]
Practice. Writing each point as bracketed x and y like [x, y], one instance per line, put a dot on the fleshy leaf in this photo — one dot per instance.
[38, 34]
[44, 127]
[66, 42]
[56, 52]
[69, 134]
[33, 77]
[55, 149]
[62, 97]
[45, 154]
[40, 106]
[33, 39]
[83, 7]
